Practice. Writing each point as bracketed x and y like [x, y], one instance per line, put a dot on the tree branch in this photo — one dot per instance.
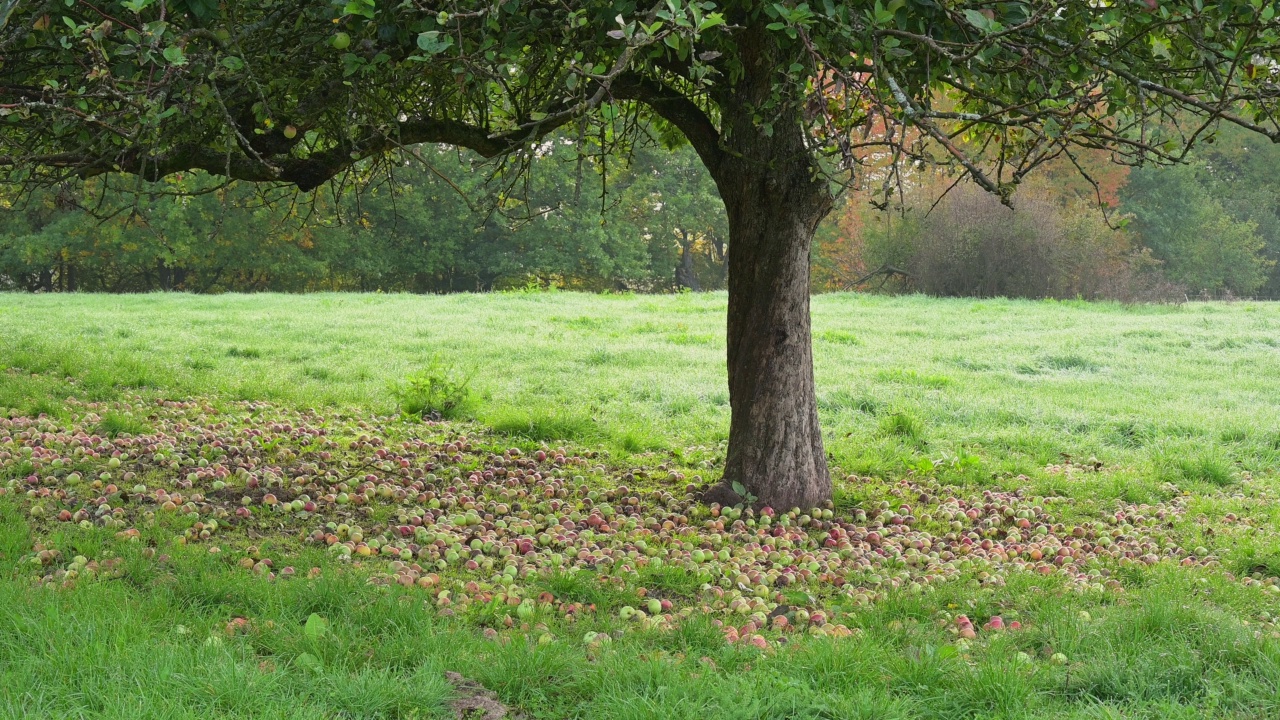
[678, 110]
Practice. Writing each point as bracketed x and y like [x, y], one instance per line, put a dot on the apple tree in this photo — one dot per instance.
[783, 101]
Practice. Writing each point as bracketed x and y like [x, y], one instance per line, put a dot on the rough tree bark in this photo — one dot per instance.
[774, 201]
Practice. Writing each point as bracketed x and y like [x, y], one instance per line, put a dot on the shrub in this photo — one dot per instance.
[437, 390]
[971, 245]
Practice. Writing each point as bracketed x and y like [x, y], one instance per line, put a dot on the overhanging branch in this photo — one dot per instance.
[678, 110]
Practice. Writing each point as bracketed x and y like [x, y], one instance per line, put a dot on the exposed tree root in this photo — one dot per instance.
[475, 702]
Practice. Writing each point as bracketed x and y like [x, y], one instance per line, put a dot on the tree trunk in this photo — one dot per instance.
[685, 276]
[774, 204]
[775, 443]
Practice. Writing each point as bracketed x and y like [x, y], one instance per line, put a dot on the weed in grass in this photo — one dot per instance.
[845, 400]
[438, 389]
[637, 441]
[114, 424]
[245, 353]
[1233, 435]
[677, 406]
[323, 374]
[200, 363]
[601, 356]
[972, 364]
[1130, 433]
[1069, 362]
[913, 377]
[837, 337]
[543, 426]
[903, 425]
[1255, 560]
[1206, 467]
[686, 338]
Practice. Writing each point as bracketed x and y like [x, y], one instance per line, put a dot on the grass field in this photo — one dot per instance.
[1110, 471]
[1157, 393]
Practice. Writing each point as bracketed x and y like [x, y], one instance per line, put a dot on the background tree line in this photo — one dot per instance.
[656, 224]
[1210, 227]
[425, 227]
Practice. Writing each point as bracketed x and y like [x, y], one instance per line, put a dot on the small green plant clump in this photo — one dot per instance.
[438, 390]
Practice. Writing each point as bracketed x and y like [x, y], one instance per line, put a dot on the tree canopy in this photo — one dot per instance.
[299, 91]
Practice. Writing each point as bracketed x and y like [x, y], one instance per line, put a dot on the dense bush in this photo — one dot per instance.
[971, 245]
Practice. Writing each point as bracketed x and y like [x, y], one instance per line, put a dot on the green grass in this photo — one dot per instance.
[153, 644]
[1014, 383]
[1095, 406]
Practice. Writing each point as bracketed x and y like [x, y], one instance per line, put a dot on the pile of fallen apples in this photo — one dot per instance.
[454, 515]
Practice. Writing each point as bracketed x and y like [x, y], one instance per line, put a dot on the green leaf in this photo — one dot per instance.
[175, 55]
[1160, 46]
[232, 63]
[978, 20]
[310, 662]
[316, 627]
[364, 8]
[434, 42]
[351, 64]
[710, 21]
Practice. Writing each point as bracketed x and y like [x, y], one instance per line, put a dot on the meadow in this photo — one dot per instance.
[1116, 466]
[1163, 393]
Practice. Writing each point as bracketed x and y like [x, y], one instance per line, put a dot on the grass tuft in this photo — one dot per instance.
[545, 426]
[115, 424]
[903, 425]
[838, 337]
[1069, 362]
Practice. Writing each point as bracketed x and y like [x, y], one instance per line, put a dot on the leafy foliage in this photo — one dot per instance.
[967, 244]
[438, 389]
[1214, 222]
[300, 92]
[424, 231]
